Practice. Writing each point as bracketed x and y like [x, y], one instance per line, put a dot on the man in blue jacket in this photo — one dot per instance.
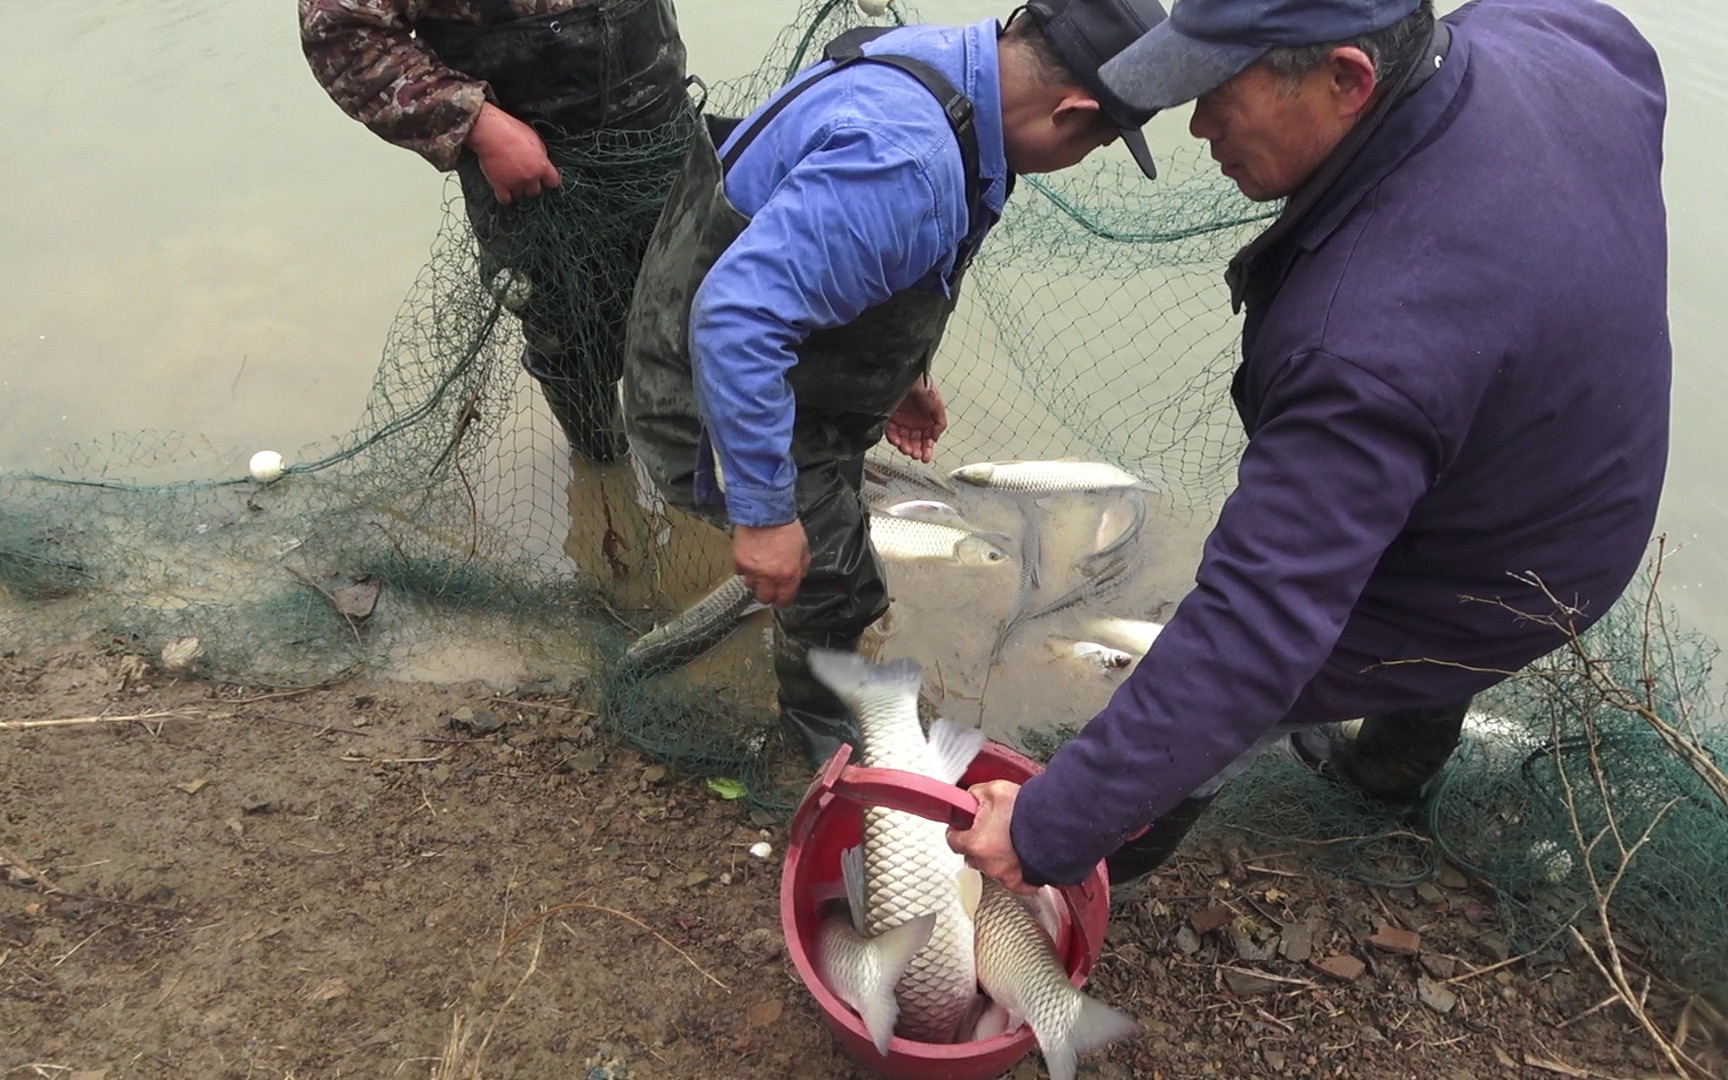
[1455, 384]
[800, 278]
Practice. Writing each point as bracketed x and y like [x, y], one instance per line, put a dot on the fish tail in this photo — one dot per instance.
[894, 950]
[853, 678]
[1095, 1025]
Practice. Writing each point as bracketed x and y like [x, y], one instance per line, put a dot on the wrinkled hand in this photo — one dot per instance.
[987, 845]
[918, 421]
[512, 155]
[773, 560]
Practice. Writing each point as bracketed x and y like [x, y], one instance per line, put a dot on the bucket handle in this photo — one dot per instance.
[896, 789]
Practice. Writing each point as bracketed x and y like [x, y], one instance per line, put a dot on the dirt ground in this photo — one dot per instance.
[401, 880]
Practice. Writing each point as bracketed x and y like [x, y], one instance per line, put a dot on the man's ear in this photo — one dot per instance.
[1351, 80]
[1076, 105]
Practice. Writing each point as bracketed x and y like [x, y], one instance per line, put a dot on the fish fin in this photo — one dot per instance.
[847, 673]
[893, 950]
[992, 1021]
[970, 884]
[954, 745]
[1095, 1025]
[852, 872]
[1046, 906]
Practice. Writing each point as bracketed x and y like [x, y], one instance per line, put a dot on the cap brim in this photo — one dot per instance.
[1165, 68]
[1135, 141]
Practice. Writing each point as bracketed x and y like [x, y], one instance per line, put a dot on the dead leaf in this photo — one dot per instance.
[1553, 1066]
[193, 787]
[358, 600]
[1204, 922]
[90, 1074]
[763, 1013]
[328, 990]
[181, 653]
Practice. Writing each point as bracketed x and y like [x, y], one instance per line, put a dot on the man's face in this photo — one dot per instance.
[1269, 135]
[1059, 139]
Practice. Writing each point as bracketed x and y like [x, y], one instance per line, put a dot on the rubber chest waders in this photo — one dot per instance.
[612, 65]
[846, 382]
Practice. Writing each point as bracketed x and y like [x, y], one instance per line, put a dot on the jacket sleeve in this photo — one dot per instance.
[1324, 487]
[858, 219]
[364, 54]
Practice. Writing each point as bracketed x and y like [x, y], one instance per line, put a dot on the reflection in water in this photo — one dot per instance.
[947, 615]
[196, 240]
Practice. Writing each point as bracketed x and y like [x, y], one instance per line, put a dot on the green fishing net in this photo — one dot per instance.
[451, 519]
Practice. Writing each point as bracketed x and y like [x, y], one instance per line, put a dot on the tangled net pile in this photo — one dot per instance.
[1095, 324]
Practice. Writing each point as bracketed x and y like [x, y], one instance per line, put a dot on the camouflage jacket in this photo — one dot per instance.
[366, 56]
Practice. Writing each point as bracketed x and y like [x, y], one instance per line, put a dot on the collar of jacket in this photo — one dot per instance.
[1397, 125]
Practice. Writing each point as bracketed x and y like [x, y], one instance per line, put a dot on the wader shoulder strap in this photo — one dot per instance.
[848, 49]
[494, 12]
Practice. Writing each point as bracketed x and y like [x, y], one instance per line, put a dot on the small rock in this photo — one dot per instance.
[761, 849]
[695, 878]
[586, 761]
[255, 805]
[1342, 967]
[463, 716]
[1394, 939]
[1497, 945]
[1187, 941]
[1274, 1059]
[761, 944]
[1434, 995]
[1440, 967]
[485, 723]
[1249, 949]
[1243, 984]
[1296, 943]
[193, 787]
[653, 774]
[726, 878]
[1430, 893]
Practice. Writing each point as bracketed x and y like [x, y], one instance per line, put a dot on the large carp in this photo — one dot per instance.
[909, 870]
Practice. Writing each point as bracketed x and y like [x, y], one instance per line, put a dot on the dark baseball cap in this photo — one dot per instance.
[1087, 33]
[1205, 43]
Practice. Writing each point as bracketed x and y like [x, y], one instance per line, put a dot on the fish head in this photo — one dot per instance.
[977, 551]
[978, 473]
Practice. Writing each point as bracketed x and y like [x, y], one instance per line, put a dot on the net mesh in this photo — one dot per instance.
[452, 520]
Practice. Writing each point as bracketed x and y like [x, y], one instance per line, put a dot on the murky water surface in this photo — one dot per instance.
[194, 239]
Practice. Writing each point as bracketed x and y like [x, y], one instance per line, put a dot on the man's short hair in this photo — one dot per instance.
[1388, 50]
[1025, 33]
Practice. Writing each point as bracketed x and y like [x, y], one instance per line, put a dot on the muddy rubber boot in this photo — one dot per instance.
[1393, 757]
[815, 722]
[1151, 849]
[609, 537]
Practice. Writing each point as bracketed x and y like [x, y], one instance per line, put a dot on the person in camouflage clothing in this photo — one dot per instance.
[500, 91]
[484, 87]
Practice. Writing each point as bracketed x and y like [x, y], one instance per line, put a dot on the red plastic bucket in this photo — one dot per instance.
[831, 819]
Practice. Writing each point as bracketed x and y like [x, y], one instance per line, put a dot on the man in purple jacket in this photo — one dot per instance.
[1455, 385]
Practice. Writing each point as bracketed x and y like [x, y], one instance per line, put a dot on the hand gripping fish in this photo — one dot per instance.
[909, 870]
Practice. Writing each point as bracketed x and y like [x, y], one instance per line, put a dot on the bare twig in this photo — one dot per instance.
[580, 906]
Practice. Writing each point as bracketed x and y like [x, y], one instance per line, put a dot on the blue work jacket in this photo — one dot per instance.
[854, 193]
